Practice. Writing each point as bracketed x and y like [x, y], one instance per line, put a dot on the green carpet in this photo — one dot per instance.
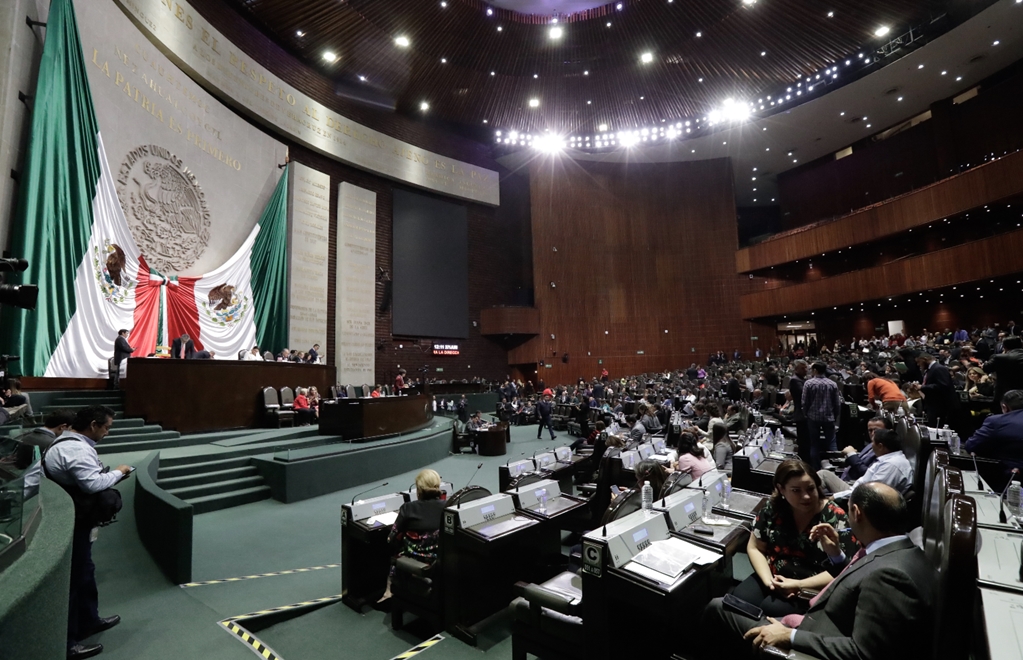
[163, 621]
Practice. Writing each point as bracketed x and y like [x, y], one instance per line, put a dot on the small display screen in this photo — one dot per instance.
[379, 505]
[717, 486]
[539, 493]
[639, 536]
[756, 457]
[487, 509]
[690, 507]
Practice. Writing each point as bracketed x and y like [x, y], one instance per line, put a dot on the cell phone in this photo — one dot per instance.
[702, 529]
[740, 606]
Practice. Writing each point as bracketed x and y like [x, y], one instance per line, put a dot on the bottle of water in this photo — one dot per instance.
[1013, 497]
[728, 493]
[953, 443]
[648, 496]
[779, 442]
[543, 501]
[706, 503]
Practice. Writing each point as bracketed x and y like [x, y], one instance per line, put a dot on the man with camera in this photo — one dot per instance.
[71, 462]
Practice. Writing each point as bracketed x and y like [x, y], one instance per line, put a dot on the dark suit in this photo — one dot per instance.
[176, 349]
[880, 608]
[1009, 368]
[544, 410]
[732, 390]
[201, 355]
[122, 349]
[1000, 437]
[941, 401]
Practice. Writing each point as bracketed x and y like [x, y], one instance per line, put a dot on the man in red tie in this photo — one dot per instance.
[878, 607]
[183, 348]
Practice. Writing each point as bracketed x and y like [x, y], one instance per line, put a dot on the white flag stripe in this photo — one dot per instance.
[232, 329]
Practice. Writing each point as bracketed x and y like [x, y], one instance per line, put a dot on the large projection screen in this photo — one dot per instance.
[431, 267]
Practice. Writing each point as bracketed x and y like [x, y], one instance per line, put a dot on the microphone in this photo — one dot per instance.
[1001, 501]
[469, 482]
[369, 490]
[980, 484]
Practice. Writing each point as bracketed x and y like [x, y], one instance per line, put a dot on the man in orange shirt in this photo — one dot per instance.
[885, 391]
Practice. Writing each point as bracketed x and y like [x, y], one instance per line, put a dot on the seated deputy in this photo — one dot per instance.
[692, 457]
[891, 467]
[653, 472]
[783, 548]
[880, 606]
[1000, 437]
[416, 530]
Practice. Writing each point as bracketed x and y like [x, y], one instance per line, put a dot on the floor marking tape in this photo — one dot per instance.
[261, 575]
[416, 650]
[232, 625]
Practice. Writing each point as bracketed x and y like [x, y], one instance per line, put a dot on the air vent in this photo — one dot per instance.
[890, 92]
[977, 58]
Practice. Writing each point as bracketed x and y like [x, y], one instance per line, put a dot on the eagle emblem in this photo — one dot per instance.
[223, 306]
[108, 264]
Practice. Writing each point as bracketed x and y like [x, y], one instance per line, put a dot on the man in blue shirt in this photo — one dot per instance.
[1000, 437]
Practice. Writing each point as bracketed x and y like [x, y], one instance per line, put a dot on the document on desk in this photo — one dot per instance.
[1003, 617]
[665, 560]
[499, 528]
[999, 558]
[382, 519]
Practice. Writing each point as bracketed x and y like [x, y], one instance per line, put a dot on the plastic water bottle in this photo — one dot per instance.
[953, 443]
[543, 501]
[728, 493]
[779, 442]
[648, 496]
[706, 502]
[1013, 497]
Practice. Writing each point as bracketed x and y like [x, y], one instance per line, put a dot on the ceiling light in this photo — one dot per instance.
[534, 103]
[730, 111]
[535, 75]
[329, 56]
[919, 66]
[549, 143]
[763, 53]
[602, 128]
[493, 73]
[944, 72]
[628, 139]
[900, 98]
[618, 6]
[646, 58]
[996, 42]
[958, 78]
[424, 106]
[300, 33]
[699, 34]
[586, 73]
[443, 60]
[881, 31]
[749, 3]
[831, 14]
[556, 32]
[443, 5]
[490, 12]
[500, 29]
[362, 78]
[402, 42]
[609, 23]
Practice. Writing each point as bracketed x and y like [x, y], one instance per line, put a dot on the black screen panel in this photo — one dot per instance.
[431, 267]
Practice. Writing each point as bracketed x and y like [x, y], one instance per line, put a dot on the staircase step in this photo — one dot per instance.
[216, 488]
[80, 402]
[135, 429]
[142, 445]
[172, 471]
[206, 477]
[137, 436]
[208, 503]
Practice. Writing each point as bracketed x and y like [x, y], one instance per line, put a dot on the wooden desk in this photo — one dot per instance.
[195, 396]
[358, 419]
[494, 441]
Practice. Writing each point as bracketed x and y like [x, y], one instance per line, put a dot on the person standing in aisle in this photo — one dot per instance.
[544, 410]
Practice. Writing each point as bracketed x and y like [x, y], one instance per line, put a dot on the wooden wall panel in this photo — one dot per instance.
[984, 185]
[633, 250]
[969, 262]
[510, 321]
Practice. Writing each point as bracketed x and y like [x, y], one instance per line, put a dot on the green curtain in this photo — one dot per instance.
[53, 220]
[269, 265]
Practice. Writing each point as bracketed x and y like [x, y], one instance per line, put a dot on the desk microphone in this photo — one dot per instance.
[509, 460]
[980, 484]
[370, 490]
[469, 482]
[1001, 501]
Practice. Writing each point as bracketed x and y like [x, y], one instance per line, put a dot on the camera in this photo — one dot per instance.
[18, 295]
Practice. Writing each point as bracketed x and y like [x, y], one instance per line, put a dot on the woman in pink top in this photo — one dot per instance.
[692, 458]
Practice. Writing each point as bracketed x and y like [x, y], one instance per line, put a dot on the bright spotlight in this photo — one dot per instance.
[730, 111]
[602, 128]
[646, 58]
[549, 144]
[424, 106]
[402, 42]
[628, 139]
[534, 103]
[881, 31]
[556, 32]
[329, 56]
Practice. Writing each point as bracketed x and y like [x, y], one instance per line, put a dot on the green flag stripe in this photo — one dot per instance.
[53, 220]
[269, 266]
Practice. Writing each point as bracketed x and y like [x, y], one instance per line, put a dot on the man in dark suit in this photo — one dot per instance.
[878, 607]
[732, 389]
[183, 348]
[544, 410]
[122, 349]
[941, 401]
[1000, 437]
[1008, 367]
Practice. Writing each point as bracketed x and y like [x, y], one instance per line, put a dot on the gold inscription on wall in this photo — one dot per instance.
[310, 234]
[210, 57]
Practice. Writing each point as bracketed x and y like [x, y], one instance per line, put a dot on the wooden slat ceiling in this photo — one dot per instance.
[797, 36]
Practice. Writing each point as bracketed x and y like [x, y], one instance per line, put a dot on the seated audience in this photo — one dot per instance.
[857, 462]
[692, 457]
[733, 419]
[723, 450]
[891, 467]
[1007, 366]
[637, 430]
[880, 609]
[416, 530]
[1000, 437]
[979, 384]
[783, 548]
[304, 413]
[654, 472]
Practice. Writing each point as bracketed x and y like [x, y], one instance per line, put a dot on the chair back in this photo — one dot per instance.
[526, 479]
[923, 475]
[946, 482]
[270, 399]
[675, 482]
[901, 427]
[630, 501]
[241, 355]
[957, 579]
[351, 391]
[468, 494]
[287, 397]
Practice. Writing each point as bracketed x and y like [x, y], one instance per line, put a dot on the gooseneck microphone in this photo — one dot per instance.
[980, 484]
[369, 490]
[469, 482]
[1001, 498]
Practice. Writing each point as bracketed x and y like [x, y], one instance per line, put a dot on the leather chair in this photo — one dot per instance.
[351, 391]
[675, 482]
[957, 581]
[287, 399]
[923, 482]
[630, 501]
[415, 589]
[599, 494]
[548, 621]
[273, 411]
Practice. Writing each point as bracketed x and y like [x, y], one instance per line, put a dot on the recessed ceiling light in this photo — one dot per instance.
[958, 78]
[831, 14]
[919, 66]
[602, 128]
[490, 12]
[699, 80]
[534, 103]
[646, 58]
[881, 31]
[493, 73]
[618, 6]
[362, 78]
[424, 106]
[485, 121]
[300, 33]
[609, 23]
[556, 32]
[402, 42]
[996, 42]
[900, 98]
[443, 5]
[763, 53]
[699, 34]
[329, 56]
[586, 73]
[944, 72]
[536, 75]
[443, 60]
[589, 103]
[500, 29]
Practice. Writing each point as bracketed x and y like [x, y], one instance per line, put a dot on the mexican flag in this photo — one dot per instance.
[93, 280]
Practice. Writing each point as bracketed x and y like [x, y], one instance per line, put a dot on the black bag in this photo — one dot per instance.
[92, 509]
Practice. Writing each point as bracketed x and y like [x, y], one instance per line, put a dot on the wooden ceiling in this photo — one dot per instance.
[471, 74]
